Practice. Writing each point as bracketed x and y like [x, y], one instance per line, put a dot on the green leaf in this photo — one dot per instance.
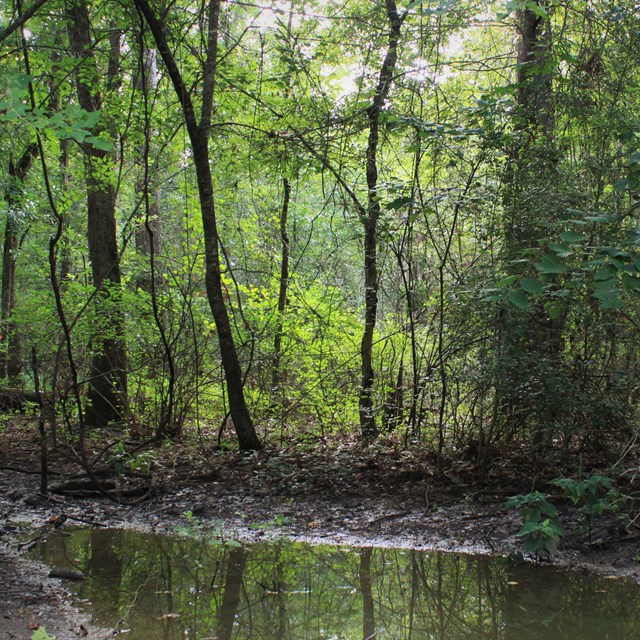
[99, 143]
[614, 252]
[554, 309]
[235, 544]
[600, 218]
[631, 282]
[612, 303]
[572, 236]
[620, 266]
[518, 299]
[566, 484]
[532, 285]
[606, 272]
[551, 264]
[610, 284]
[398, 203]
[528, 528]
[606, 296]
[606, 293]
[561, 250]
[505, 282]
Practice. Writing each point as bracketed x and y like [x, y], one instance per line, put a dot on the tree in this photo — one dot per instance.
[107, 395]
[11, 363]
[199, 133]
[371, 217]
[334, 205]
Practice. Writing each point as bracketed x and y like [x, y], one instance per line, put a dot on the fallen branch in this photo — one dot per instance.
[35, 472]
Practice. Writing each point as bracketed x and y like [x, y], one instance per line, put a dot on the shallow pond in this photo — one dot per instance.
[152, 587]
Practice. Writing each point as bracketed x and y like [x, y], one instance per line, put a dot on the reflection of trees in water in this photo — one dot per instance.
[105, 567]
[436, 596]
[368, 608]
[590, 607]
[291, 591]
[232, 591]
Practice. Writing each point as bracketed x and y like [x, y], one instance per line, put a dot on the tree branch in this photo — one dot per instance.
[160, 38]
[21, 20]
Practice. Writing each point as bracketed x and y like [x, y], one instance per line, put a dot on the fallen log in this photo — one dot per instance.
[21, 400]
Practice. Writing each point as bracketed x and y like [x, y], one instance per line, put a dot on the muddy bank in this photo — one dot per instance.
[349, 495]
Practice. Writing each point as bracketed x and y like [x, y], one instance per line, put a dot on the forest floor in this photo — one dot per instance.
[333, 492]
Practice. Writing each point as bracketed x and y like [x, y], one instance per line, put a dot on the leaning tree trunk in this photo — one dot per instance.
[199, 134]
[370, 223]
[106, 397]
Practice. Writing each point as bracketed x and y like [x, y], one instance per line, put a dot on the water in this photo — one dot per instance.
[153, 587]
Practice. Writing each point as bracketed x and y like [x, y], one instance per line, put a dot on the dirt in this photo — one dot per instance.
[337, 492]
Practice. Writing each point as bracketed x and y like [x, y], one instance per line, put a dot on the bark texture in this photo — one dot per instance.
[370, 223]
[199, 130]
[106, 396]
[276, 378]
[11, 360]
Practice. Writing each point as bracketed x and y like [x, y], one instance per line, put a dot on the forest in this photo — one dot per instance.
[274, 220]
[361, 272]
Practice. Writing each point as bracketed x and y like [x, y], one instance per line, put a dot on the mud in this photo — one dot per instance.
[343, 494]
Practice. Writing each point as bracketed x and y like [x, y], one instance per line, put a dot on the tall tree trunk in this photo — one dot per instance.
[66, 260]
[276, 378]
[370, 223]
[534, 124]
[199, 133]
[530, 343]
[148, 233]
[10, 364]
[535, 93]
[108, 376]
[11, 361]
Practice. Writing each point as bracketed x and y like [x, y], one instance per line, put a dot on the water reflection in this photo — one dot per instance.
[170, 588]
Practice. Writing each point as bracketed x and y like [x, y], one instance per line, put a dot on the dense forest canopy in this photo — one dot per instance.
[294, 217]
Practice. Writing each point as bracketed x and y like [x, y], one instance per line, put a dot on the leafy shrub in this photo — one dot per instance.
[596, 494]
[541, 530]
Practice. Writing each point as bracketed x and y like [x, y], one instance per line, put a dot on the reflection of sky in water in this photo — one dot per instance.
[170, 588]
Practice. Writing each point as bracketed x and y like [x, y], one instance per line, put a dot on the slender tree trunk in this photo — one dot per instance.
[199, 133]
[149, 230]
[277, 396]
[108, 375]
[11, 361]
[66, 261]
[242, 422]
[368, 425]
[108, 554]
[283, 289]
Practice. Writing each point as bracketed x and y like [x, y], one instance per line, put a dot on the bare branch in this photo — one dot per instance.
[21, 20]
